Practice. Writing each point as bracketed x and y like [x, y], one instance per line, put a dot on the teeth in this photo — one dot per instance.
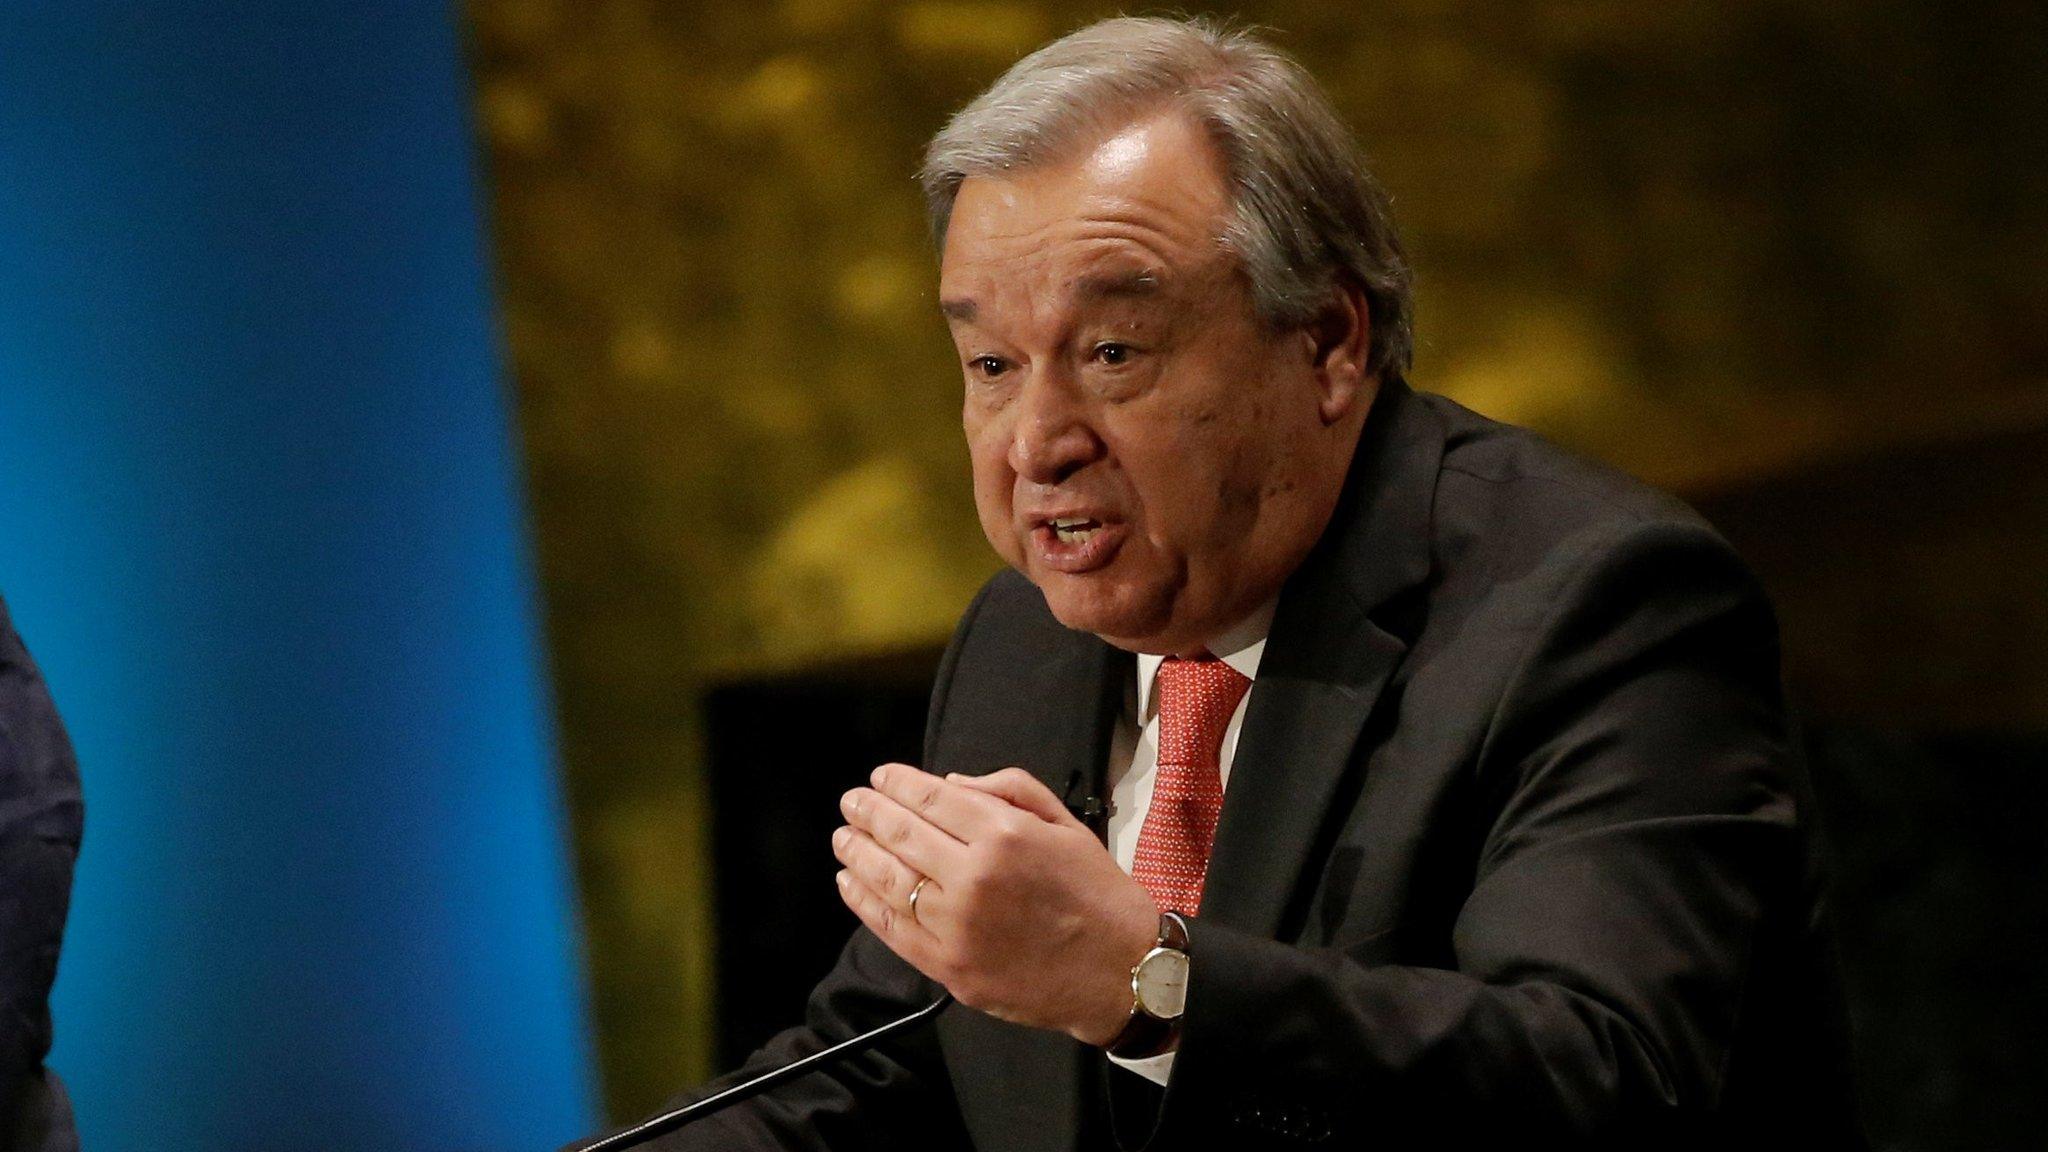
[1073, 529]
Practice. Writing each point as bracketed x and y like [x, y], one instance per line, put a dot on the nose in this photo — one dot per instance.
[1053, 436]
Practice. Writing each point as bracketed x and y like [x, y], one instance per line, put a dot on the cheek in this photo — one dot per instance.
[1173, 480]
[1201, 485]
[988, 455]
[1247, 440]
[994, 490]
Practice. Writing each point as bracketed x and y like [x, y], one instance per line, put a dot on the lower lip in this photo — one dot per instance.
[1077, 556]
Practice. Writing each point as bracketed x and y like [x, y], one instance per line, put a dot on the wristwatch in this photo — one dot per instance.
[1159, 994]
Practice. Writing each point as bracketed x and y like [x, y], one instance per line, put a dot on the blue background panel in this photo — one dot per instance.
[260, 522]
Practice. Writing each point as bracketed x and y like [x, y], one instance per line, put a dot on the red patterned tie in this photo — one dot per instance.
[1196, 700]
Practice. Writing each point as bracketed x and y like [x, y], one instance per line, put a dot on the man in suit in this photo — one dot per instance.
[41, 814]
[1450, 792]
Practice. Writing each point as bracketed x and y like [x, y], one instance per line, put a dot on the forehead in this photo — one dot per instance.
[1125, 211]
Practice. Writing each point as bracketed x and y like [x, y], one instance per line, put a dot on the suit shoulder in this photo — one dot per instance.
[1513, 513]
[1512, 476]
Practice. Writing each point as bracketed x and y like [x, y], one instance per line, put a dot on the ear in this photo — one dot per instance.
[1343, 343]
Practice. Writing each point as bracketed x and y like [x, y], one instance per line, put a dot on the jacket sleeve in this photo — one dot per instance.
[1639, 826]
[896, 1096]
[41, 818]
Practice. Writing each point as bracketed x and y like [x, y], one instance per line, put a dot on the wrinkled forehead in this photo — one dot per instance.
[1142, 207]
[1112, 281]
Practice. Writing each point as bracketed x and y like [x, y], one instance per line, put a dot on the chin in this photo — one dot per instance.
[1121, 616]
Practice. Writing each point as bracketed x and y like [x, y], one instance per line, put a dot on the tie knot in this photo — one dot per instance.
[1196, 700]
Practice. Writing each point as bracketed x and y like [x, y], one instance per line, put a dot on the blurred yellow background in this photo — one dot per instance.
[1710, 243]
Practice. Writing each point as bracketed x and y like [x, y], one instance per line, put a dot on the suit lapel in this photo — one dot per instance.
[1028, 1083]
[1311, 700]
[1080, 689]
[1332, 649]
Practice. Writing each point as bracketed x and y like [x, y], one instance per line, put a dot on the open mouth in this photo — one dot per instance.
[1076, 544]
[1074, 529]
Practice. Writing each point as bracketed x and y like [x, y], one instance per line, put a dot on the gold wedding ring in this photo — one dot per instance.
[917, 890]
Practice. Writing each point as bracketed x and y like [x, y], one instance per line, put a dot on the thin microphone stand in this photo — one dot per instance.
[670, 1121]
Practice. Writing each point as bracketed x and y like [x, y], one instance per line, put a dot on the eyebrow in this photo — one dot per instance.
[1117, 285]
[962, 309]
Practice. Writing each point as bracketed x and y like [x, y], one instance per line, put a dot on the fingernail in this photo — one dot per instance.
[880, 775]
[840, 837]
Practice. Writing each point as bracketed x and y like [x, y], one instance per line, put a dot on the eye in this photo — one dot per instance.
[1112, 353]
[988, 366]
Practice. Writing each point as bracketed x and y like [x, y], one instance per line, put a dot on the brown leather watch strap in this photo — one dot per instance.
[1144, 1036]
[1173, 932]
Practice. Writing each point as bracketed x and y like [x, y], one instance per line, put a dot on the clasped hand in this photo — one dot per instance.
[1024, 914]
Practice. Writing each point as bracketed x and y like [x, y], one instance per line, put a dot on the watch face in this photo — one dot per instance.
[1162, 983]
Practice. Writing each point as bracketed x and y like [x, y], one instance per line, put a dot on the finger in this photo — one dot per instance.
[963, 813]
[1022, 789]
[904, 834]
[904, 936]
[877, 867]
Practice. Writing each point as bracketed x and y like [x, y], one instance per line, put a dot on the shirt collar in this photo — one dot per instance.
[1241, 646]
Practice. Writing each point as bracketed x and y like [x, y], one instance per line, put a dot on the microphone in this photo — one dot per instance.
[1092, 811]
[668, 1122]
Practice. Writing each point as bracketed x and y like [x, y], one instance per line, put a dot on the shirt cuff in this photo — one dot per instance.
[1154, 1068]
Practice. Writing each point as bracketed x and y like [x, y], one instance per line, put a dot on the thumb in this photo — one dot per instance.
[1022, 789]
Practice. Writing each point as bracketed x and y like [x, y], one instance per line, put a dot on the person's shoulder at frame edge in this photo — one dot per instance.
[41, 824]
[39, 789]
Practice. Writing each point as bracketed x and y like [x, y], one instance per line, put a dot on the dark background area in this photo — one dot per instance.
[1912, 586]
[782, 750]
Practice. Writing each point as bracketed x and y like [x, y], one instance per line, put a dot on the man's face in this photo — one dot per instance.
[1144, 450]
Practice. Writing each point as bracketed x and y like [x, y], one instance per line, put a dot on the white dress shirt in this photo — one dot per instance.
[1134, 759]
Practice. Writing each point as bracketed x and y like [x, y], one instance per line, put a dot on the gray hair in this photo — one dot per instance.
[1306, 214]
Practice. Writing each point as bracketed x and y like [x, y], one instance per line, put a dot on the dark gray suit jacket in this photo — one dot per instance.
[1513, 848]
[41, 814]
